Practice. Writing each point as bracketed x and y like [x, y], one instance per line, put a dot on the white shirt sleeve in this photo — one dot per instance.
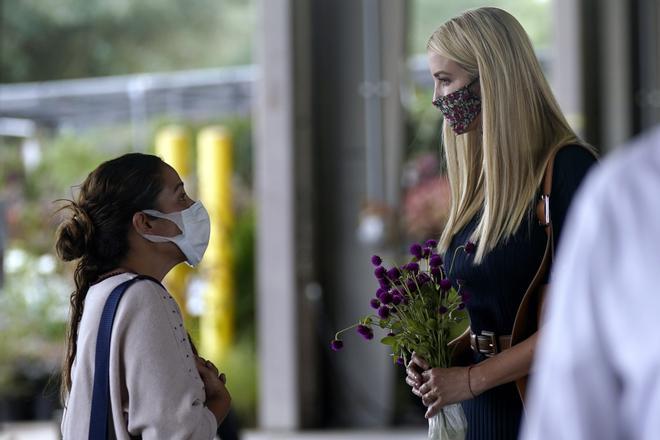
[597, 372]
[569, 398]
[163, 395]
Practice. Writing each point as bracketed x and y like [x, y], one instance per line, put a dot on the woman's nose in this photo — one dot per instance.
[436, 93]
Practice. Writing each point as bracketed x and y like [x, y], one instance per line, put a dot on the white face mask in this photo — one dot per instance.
[195, 227]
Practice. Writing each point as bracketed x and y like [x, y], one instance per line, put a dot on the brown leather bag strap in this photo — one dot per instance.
[529, 311]
[543, 207]
[547, 178]
[528, 316]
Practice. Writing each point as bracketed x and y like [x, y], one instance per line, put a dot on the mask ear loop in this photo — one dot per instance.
[173, 217]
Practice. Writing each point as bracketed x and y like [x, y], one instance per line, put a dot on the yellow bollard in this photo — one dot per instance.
[214, 165]
[173, 146]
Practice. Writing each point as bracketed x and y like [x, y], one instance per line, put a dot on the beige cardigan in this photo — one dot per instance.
[155, 389]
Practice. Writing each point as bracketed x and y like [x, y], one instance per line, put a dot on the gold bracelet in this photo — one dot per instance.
[469, 382]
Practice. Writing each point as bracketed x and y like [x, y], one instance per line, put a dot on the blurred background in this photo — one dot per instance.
[306, 127]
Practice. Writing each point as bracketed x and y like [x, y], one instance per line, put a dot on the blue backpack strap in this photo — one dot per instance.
[98, 422]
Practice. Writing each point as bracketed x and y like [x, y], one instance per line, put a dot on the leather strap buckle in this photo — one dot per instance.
[545, 219]
[488, 343]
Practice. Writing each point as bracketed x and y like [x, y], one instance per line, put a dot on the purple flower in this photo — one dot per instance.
[423, 279]
[469, 248]
[393, 273]
[412, 267]
[410, 284]
[399, 361]
[442, 310]
[384, 284]
[461, 306]
[431, 243]
[390, 334]
[384, 312]
[376, 260]
[436, 273]
[380, 272]
[380, 292]
[336, 345]
[365, 331]
[416, 250]
[374, 303]
[435, 261]
[396, 299]
[386, 298]
[427, 252]
[445, 284]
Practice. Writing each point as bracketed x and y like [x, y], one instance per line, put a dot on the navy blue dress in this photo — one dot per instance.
[498, 283]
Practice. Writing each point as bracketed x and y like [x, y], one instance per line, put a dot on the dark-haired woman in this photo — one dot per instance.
[133, 217]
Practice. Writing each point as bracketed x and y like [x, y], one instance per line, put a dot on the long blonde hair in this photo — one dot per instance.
[496, 173]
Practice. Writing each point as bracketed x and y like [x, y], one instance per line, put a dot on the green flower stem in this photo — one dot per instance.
[410, 293]
[423, 301]
[346, 329]
[453, 258]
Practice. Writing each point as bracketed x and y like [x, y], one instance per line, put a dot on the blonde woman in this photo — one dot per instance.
[501, 126]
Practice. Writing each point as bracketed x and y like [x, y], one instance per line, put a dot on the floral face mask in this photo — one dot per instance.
[460, 107]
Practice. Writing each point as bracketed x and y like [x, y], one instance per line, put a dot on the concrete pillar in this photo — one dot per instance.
[616, 71]
[605, 67]
[648, 37]
[310, 167]
[567, 74]
[395, 70]
[284, 192]
[360, 379]
[274, 183]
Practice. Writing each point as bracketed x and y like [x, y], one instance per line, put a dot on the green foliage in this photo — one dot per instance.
[241, 369]
[59, 39]
[11, 170]
[427, 15]
[33, 313]
[244, 272]
[423, 124]
[241, 132]
[67, 160]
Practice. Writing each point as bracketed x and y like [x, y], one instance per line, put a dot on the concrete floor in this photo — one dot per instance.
[339, 435]
[29, 431]
[49, 431]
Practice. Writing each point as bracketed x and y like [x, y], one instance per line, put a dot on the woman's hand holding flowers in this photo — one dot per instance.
[423, 311]
[438, 387]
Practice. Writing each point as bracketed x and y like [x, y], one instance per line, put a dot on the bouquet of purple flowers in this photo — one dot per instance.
[418, 305]
[422, 309]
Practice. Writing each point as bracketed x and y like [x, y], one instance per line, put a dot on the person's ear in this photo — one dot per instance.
[143, 224]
